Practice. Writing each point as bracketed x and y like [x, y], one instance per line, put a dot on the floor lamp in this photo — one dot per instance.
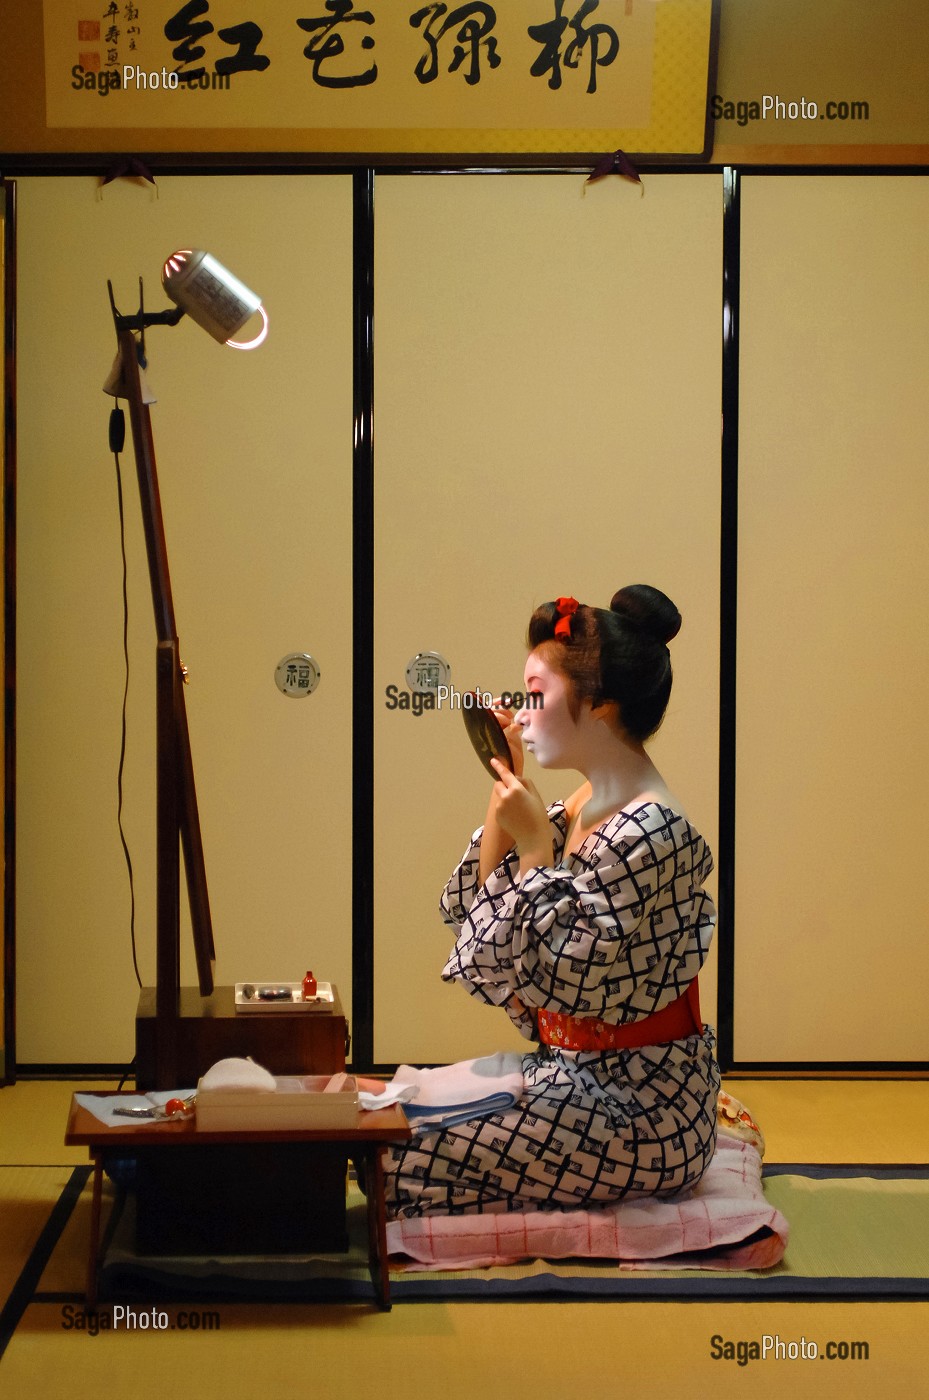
[205, 290]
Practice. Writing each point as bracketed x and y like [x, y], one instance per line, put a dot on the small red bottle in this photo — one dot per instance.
[309, 987]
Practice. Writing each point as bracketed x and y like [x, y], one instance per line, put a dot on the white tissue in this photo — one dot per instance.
[238, 1074]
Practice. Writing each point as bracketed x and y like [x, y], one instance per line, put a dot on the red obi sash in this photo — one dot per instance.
[675, 1021]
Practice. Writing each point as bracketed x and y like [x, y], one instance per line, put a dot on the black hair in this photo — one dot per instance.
[618, 653]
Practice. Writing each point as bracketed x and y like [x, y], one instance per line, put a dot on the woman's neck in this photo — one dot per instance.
[617, 777]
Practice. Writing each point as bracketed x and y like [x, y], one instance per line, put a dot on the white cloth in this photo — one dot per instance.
[103, 1106]
[439, 1098]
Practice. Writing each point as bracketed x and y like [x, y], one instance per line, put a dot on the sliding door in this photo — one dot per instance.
[547, 399]
[254, 456]
[832, 905]
[7, 463]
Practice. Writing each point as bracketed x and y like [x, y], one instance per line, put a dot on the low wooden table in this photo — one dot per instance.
[366, 1139]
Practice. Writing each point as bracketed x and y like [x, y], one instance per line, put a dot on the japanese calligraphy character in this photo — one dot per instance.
[550, 35]
[181, 27]
[476, 21]
[427, 675]
[329, 44]
[112, 11]
[131, 13]
[248, 60]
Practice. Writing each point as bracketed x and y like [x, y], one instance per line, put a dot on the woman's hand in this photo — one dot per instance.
[513, 735]
[521, 813]
[496, 840]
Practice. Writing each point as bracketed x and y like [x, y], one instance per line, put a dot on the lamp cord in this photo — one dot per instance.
[117, 438]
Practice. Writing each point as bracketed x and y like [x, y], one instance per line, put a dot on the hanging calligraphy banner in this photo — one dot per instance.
[390, 76]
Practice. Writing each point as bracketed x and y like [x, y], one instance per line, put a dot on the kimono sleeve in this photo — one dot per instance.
[575, 939]
[461, 891]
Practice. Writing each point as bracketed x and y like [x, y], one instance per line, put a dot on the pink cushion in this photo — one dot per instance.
[725, 1209]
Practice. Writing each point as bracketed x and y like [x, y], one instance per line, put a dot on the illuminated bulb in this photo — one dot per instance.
[212, 296]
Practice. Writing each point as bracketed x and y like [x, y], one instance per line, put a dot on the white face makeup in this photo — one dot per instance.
[548, 729]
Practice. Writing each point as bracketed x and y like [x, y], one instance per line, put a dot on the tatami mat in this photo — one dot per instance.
[472, 1351]
[27, 1197]
[862, 1233]
[496, 1351]
[839, 1120]
[33, 1114]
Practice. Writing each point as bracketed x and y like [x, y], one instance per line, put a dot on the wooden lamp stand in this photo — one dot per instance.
[180, 1032]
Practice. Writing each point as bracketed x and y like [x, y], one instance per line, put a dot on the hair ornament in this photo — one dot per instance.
[566, 608]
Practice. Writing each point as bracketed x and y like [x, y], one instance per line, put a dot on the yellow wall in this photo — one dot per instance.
[3, 1027]
[547, 390]
[254, 456]
[506, 380]
[833, 670]
[547, 422]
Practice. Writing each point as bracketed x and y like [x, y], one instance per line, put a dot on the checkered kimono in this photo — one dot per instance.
[615, 930]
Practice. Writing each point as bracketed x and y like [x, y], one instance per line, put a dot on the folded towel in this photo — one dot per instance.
[467, 1080]
[439, 1098]
[457, 1093]
[426, 1118]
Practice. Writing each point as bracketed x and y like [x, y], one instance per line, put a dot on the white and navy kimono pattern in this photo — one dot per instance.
[616, 930]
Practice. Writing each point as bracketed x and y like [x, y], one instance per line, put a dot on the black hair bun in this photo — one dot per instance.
[649, 610]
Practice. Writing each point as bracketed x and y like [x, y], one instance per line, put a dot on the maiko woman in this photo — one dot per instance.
[587, 922]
